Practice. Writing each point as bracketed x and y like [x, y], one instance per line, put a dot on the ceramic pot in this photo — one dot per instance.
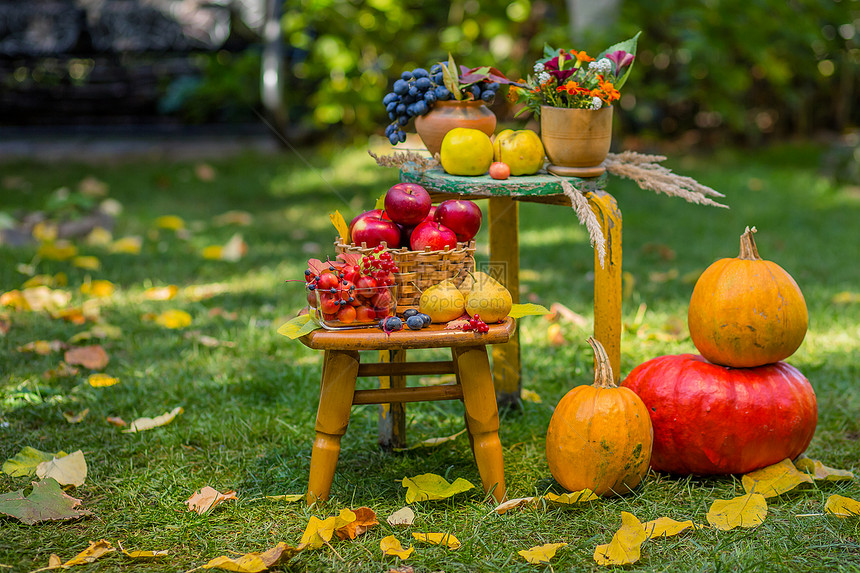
[446, 115]
[576, 140]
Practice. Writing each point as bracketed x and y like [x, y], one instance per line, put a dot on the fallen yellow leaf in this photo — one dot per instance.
[98, 288]
[91, 553]
[87, 262]
[572, 498]
[426, 487]
[820, 472]
[403, 516]
[391, 546]
[67, 470]
[127, 245]
[206, 499]
[665, 527]
[102, 330]
[45, 231]
[626, 544]
[25, 462]
[318, 531]
[173, 319]
[842, 506]
[775, 480]
[531, 396]
[504, 507]
[541, 553]
[286, 497]
[142, 424]
[100, 380]
[161, 293]
[142, 554]
[171, 222]
[212, 252]
[365, 518]
[255, 562]
[747, 510]
[42, 347]
[241, 218]
[99, 237]
[56, 251]
[445, 539]
[73, 418]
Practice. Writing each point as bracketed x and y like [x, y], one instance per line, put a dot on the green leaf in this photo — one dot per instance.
[298, 327]
[46, 502]
[24, 462]
[549, 52]
[450, 78]
[527, 309]
[431, 487]
[380, 202]
[628, 46]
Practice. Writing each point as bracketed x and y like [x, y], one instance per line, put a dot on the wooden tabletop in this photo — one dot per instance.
[433, 336]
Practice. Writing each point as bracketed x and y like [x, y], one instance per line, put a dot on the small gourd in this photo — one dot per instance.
[746, 311]
[600, 435]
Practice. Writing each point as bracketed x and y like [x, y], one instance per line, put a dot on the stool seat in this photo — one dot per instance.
[474, 386]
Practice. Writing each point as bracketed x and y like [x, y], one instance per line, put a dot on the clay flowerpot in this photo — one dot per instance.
[576, 140]
[446, 115]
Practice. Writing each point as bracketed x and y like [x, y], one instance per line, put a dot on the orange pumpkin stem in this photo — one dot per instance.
[602, 367]
[749, 252]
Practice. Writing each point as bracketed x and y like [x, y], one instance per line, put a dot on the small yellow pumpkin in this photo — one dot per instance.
[600, 436]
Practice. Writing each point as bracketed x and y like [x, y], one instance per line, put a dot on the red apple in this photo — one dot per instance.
[365, 313]
[499, 170]
[407, 203]
[371, 213]
[461, 216]
[434, 235]
[372, 229]
[431, 214]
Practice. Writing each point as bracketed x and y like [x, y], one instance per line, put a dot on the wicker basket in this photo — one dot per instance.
[421, 269]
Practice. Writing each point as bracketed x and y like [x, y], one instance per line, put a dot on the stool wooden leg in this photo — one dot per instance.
[392, 417]
[482, 416]
[340, 369]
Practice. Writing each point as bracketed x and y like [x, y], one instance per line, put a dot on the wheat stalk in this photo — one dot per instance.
[399, 159]
[586, 217]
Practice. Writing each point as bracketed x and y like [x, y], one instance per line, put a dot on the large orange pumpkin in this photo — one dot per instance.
[599, 436]
[747, 312]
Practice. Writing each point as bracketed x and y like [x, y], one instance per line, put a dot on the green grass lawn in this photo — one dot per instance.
[250, 404]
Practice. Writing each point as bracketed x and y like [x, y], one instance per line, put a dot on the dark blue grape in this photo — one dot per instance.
[476, 90]
[391, 106]
[407, 99]
[488, 96]
[493, 86]
[393, 139]
[410, 312]
[390, 324]
[420, 108]
[430, 97]
[392, 115]
[406, 76]
[420, 73]
[423, 84]
[426, 318]
[401, 87]
[401, 109]
[415, 323]
[436, 68]
[401, 135]
[410, 110]
[403, 119]
[414, 91]
[442, 93]
[389, 97]
[439, 78]
[391, 128]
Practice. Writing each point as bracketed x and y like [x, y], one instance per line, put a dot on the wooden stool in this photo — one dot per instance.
[470, 364]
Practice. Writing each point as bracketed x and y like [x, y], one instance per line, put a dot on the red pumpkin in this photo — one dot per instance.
[710, 419]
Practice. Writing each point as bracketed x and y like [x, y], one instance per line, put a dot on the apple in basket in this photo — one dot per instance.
[434, 235]
[372, 228]
[407, 203]
[461, 216]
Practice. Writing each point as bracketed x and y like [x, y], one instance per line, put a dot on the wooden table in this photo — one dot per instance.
[503, 214]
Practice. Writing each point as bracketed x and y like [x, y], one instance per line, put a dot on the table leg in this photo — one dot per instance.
[340, 368]
[607, 279]
[482, 416]
[392, 417]
[503, 215]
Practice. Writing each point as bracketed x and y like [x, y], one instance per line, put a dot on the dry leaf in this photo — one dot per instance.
[116, 421]
[171, 222]
[820, 472]
[520, 310]
[318, 531]
[102, 330]
[431, 442]
[365, 518]
[173, 319]
[775, 480]
[93, 357]
[62, 370]
[127, 245]
[554, 335]
[391, 546]
[504, 507]
[665, 527]
[142, 424]
[241, 218]
[142, 554]
[208, 341]
[56, 251]
[100, 380]
[340, 224]
[842, 506]
[87, 262]
[255, 562]
[53, 281]
[403, 516]
[99, 237]
[626, 545]
[73, 418]
[161, 293]
[286, 497]
[42, 347]
[445, 539]
[530, 396]
[745, 511]
[571, 498]
[24, 463]
[426, 487]
[45, 502]
[234, 249]
[207, 498]
[98, 288]
[67, 470]
[541, 553]
[36, 299]
[91, 553]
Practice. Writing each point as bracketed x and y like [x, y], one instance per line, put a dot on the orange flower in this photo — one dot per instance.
[572, 88]
[607, 92]
[581, 56]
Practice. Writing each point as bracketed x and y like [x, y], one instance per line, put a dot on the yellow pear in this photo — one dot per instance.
[442, 302]
[488, 298]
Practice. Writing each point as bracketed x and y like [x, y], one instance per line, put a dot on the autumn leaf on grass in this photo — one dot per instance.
[365, 518]
[87, 262]
[161, 293]
[541, 553]
[116, 421]
[62, 370]
[403, 516]
[820, 472]
[531, 396]
[36, 299]
[842, 506]
[102, 330]
[206, 499]
[141, 424]
[88, 555]
[254, 562]
[25, 462]
[99, 237]
[626, 544]
[100, 380]
[93, 357]
[73, 418]
[241, 218]
[665, 527]
[56, 251]
[45, 502]
[142, 554]
[747, 510]
[42, 347]
[286, 497]
[426, 487]
[391, 546]
[127, 245]
[232, 251]
[170, 222]
[445, 539]
[431, 442]
[173, 319]
[775, 480]
[506, 506]
[98, 288]
[571, 498]
[318, 531]
[67, 470]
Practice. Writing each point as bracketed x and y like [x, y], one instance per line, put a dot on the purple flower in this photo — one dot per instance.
[552, 66]
[621, 59]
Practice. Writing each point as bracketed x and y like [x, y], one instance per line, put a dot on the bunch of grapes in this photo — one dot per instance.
[475, 323]
[416, 92]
